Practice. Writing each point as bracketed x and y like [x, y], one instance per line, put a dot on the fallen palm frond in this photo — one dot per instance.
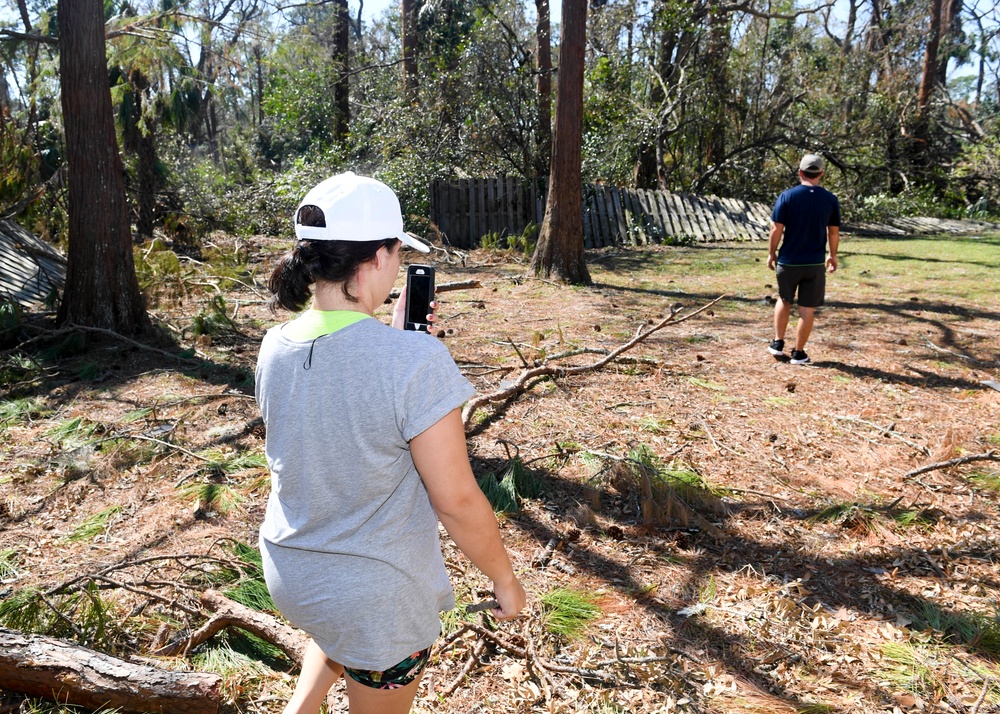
[531, 376]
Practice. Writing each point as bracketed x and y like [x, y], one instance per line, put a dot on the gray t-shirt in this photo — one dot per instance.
[350, 541]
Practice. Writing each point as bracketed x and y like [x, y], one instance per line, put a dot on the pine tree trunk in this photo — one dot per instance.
[408, 11]
[543, 89]
[57, 670]
[101, 285]
[341, 90]
[559, 253]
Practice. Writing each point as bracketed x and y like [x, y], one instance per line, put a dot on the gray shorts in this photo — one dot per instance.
[808, 280]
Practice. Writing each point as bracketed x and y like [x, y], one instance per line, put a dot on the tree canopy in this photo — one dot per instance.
[227, 110]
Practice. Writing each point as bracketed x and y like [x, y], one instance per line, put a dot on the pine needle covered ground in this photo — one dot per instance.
[702, 528]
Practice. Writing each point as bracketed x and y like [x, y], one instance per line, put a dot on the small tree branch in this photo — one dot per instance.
[521, 383]
[988, 456]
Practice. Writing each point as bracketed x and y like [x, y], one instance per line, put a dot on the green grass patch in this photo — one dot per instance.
[22, 410]
[9, 562]
[706, 384]
[668, 494]
[654, 424]
[214, 497]
[72, 433]
[986, 480]
[238, 653]
[94, 524]
[137, 414]
[233, 462]
[778, 401]
[912, 519]
[567, 613]
[906, 668]
[975, 629]
[242, 579]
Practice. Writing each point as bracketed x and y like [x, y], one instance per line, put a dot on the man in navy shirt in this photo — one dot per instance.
[805, 218]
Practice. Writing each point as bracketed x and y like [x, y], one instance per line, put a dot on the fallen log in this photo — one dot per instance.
[70, 674]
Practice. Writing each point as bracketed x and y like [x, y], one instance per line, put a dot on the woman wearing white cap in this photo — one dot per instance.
[367, 452]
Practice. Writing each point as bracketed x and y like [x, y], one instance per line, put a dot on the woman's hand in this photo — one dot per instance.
[399, 311]
[511, 597]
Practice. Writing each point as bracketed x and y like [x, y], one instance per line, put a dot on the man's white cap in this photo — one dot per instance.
[355, 208]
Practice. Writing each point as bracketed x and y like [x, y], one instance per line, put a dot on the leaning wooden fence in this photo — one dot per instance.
[31, 270]
[466, 210]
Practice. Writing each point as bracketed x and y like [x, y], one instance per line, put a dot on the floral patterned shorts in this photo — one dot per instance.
[395, 677]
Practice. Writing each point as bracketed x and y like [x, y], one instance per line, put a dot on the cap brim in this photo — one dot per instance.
[412, 242]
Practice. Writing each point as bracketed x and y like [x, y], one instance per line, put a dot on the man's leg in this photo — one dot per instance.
[782, 311]
[318, 674]
[805, 326]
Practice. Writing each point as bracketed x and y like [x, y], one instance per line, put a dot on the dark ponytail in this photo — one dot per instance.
[334, 261]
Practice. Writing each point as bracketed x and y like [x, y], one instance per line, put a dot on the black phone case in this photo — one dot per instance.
[411, 275]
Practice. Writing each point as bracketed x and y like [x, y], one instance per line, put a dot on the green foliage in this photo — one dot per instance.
[522, 244]
[9, 561]
[213, 318]
[84, 616]
[11, 319]
[234, 461]
[239, 654]
[212, 497]
[22, 410]
[883, 207]
[505, 490]
[16, 368]
[566, 613]
[988, 480]
[95, 524]
[22, 610]
[667, 493]
[72, 433]
[244, 580]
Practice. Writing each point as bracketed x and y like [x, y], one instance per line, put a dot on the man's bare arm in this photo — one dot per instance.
[777, 230]
[833, 236]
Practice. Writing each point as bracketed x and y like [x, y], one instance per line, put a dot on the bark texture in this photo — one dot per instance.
[70, 674]
[228, 613]
[559, 253]
[101, 285]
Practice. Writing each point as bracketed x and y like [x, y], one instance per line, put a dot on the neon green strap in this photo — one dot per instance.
[316, 323]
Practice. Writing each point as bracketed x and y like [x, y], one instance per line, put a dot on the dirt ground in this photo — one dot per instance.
[805, 571]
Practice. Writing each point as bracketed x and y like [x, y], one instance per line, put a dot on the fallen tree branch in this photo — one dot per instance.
[885, 431]
[992, 455]
[228, 613]
[521, 383]
[445, 287]
[70, 327]
[70, 674]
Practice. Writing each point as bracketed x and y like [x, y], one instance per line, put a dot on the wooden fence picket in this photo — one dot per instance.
[466, 209]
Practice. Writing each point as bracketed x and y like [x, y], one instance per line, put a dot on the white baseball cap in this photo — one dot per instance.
[355, 208]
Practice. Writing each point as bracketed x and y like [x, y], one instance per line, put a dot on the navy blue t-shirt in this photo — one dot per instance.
[805, 212]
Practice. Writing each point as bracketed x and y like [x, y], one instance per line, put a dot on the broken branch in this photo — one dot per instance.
[521, 383]
[988, 456]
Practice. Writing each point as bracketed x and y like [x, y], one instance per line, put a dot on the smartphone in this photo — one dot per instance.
[419, 294]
